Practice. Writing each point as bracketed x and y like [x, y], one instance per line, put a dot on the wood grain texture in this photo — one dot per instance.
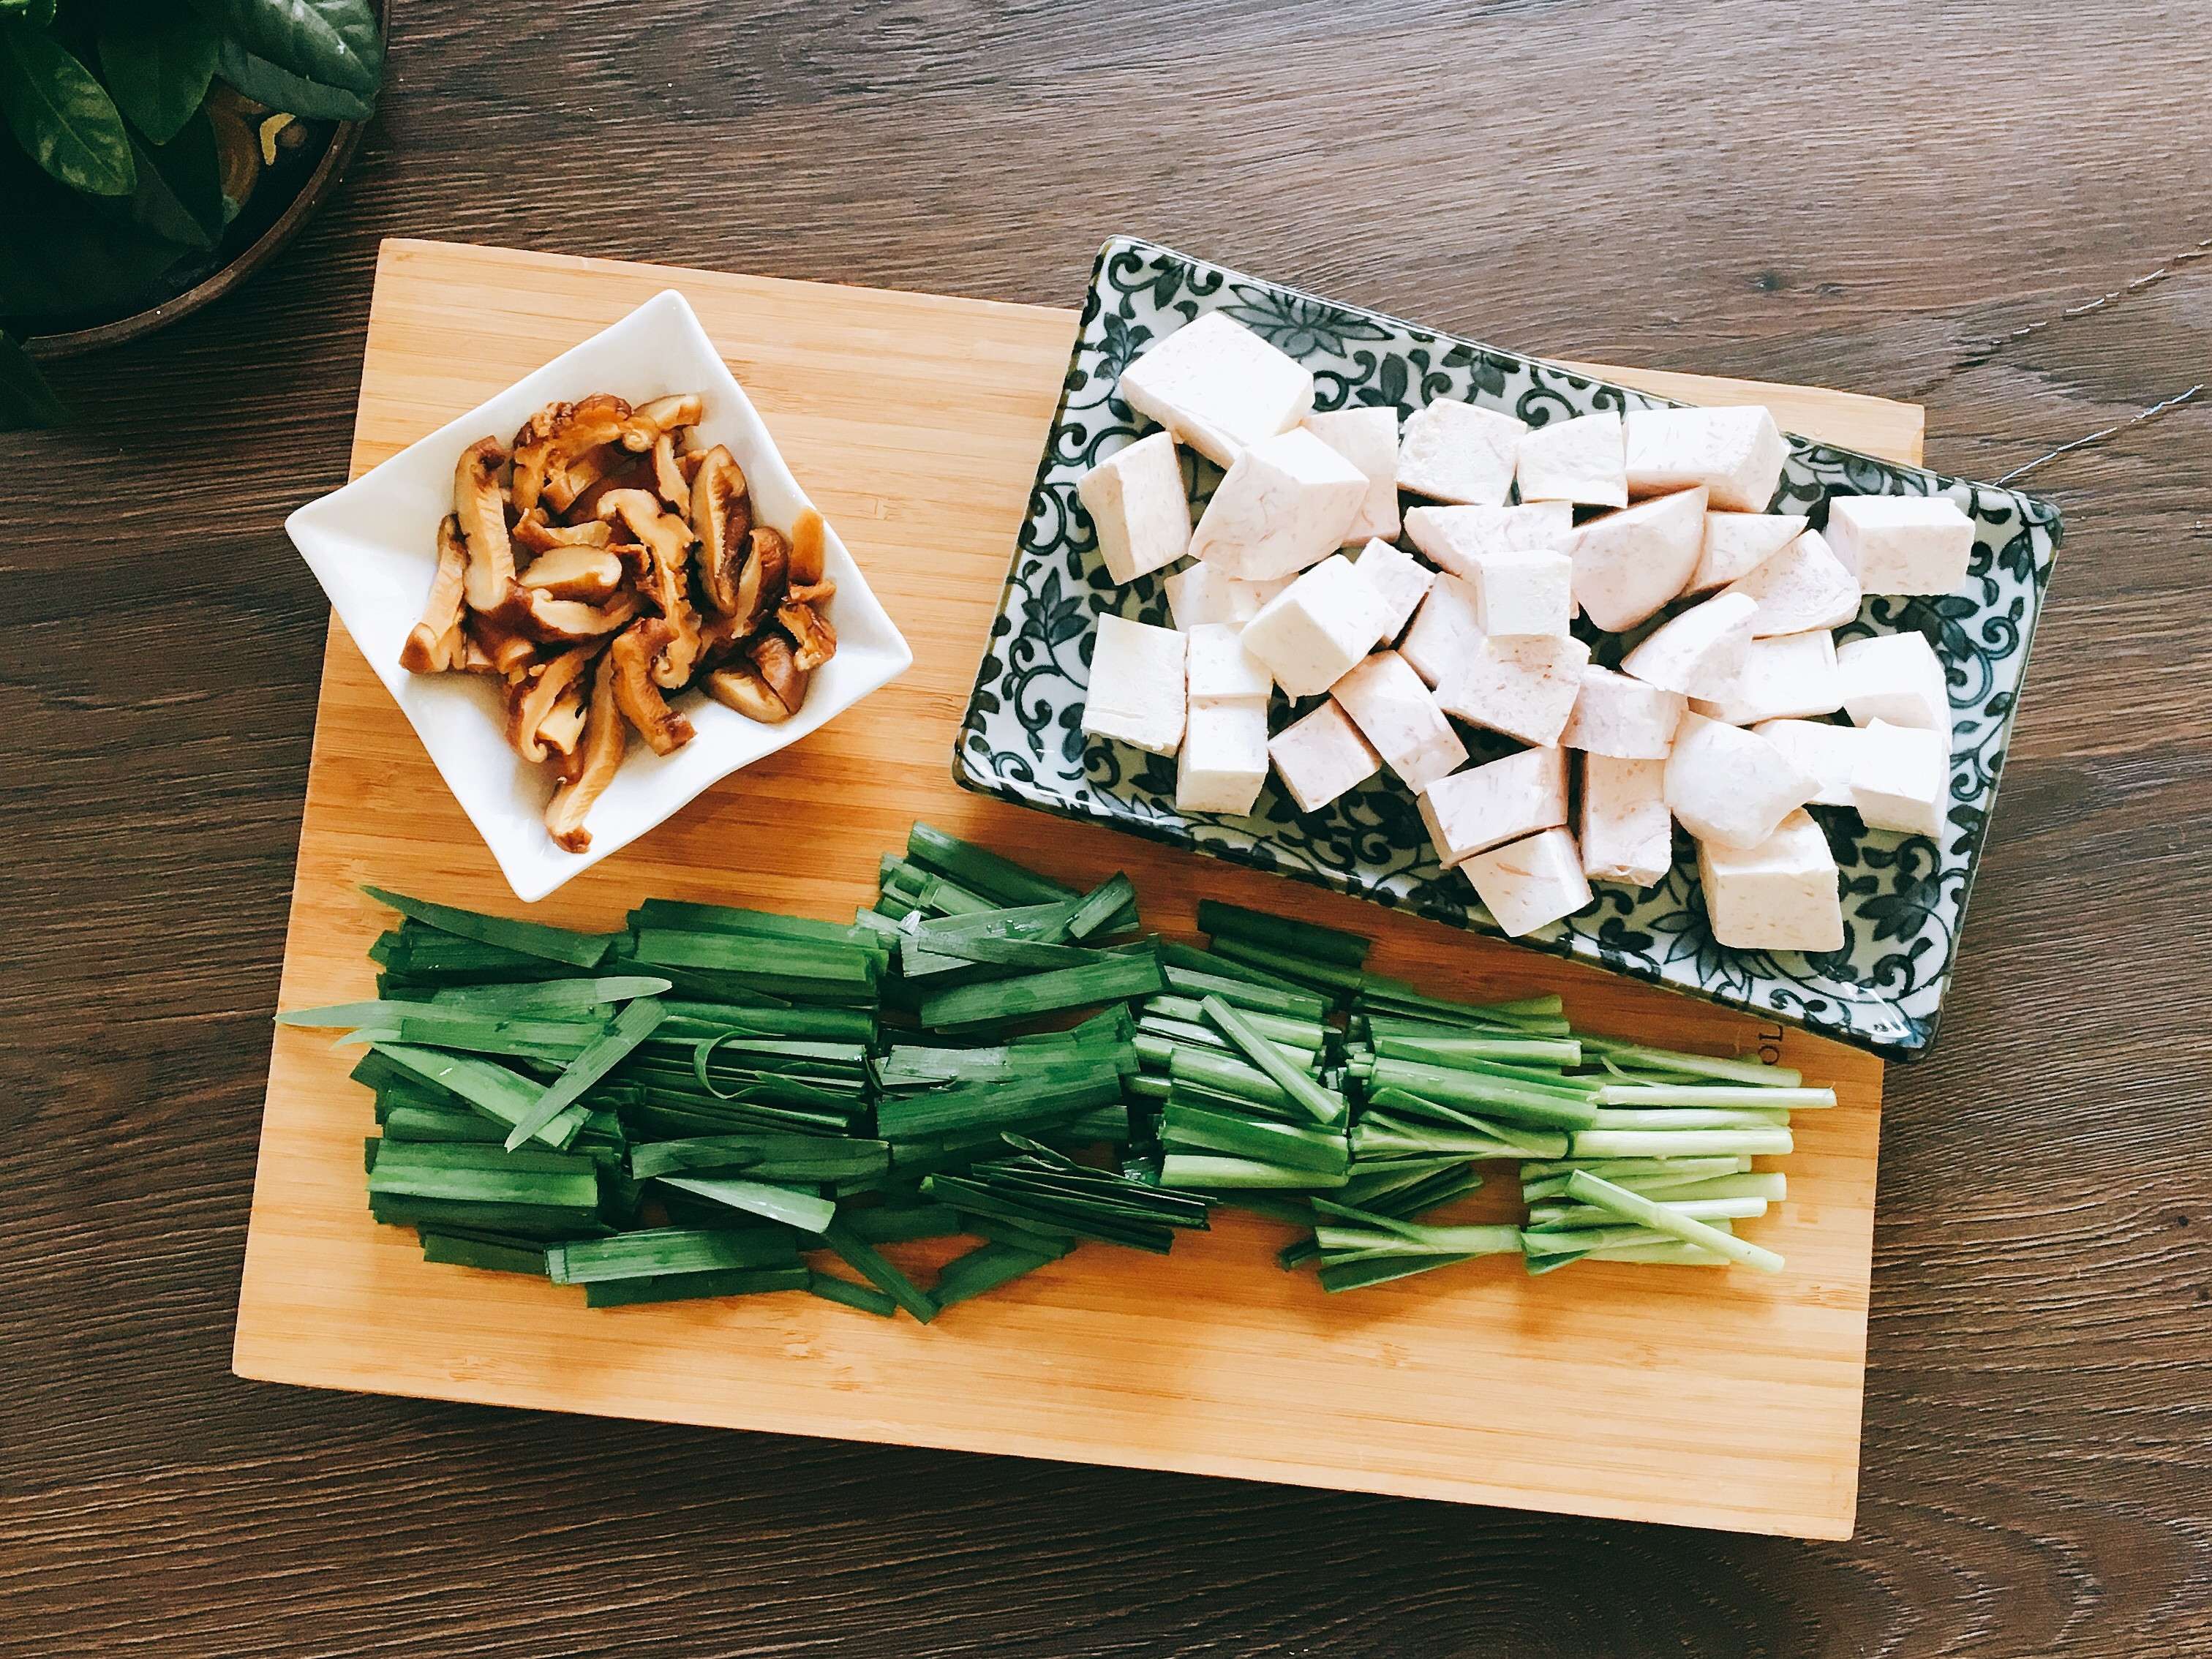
[1990, 210]
[915, 421]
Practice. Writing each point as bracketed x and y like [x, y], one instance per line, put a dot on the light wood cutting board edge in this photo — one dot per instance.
[265, 1350]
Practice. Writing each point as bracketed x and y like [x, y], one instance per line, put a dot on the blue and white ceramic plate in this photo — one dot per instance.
[1905, 897]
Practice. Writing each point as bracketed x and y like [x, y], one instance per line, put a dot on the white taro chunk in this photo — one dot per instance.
[1737, 543]
[1402, 580]
[1901, 779]
[1136, 695]
[1221, 668]
[1224, 761]
[1445, 629]
[1622, 717]
[1698, 652]
[1627, 834]
[1902, 543]
[1368, 438]
[1456, 539]
[1827, 752]
[1896, 677]
[1524, 594]
[1396, 712]
[1523, 687]
[1315, 631]
[1780, 894]
[1322, 755]
[1792, 676]
[1218, 386]
[1201, 593]
[1525, 884]
[1453, 451]
[1628, 564]
[1737, 454]
[1731, 786]
[1283, 504]
[1580, 460]
[1803, 586]
[1487, 805]
[1138, 507]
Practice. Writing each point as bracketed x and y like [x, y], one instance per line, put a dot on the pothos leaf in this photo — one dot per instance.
[263, 82]
[60, 115]
[180, 193]
[332, 43]
[26, 400]
[158, 61]
[39, 13]
[89, 256]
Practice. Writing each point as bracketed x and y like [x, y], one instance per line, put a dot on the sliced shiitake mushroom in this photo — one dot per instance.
[504, 648]
[581, 474]
[662, 415]
[738, 685]
[563, 724]
[539, 616]
[592, 766]
[814, 641]
[532, 700]
[779, 666]
[722, 518]
[574, 571]
[668, 477]
[662, 559]
[761, 580]
[637, 473]
[634, 651]
[481, 508]
[557, 435]
[718, 637]
[535, 533]
[809, 549]
[435, 644]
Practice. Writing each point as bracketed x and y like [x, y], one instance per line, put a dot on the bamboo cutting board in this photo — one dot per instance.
[1698, 1397]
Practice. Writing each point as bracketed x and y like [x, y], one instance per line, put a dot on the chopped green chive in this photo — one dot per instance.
[1326, 1105]
[631, 1027]
[1106, 978]
[985, 1268]
[531, 938]
[1637, 1210]
[985, 872]
[695, 1287]
[872, 1265]
[1297, 939]
[806, 1212]
[489, 1252]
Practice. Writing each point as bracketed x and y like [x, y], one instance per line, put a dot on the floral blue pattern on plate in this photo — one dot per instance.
[1905, 896]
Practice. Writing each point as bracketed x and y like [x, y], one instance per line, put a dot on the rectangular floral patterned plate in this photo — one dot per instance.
[1905, 896]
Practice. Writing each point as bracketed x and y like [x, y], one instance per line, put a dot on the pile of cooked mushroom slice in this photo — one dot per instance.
[603, 561]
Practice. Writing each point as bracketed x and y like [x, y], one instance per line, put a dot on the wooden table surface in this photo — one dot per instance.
[2003, 212]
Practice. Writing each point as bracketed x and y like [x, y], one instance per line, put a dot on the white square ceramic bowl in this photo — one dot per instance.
[372, 546]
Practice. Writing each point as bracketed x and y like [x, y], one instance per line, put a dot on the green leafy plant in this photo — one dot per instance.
[136, 131]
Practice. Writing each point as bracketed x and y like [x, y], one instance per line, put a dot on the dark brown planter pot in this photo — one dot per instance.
[345, 139]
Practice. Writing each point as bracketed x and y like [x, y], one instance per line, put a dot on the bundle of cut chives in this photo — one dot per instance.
[1434, 1088]
[1627, 1153]
[715, 1095]
[698, 1105]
